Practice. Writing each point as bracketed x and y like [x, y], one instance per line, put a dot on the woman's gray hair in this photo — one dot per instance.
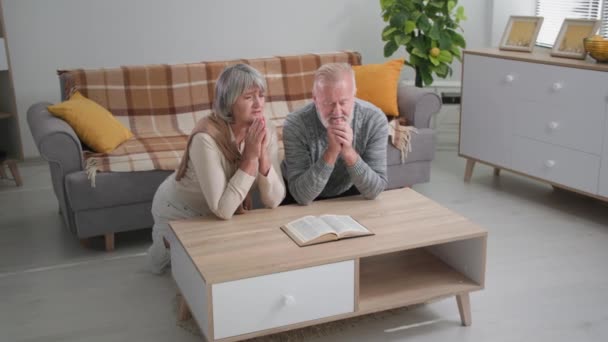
[233, 81]
[332, 73]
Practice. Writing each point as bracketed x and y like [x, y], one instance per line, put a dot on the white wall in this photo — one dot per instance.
[502, 10]
[46, 35]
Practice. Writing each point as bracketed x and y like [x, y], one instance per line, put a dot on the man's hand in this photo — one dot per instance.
[333, 147]
[344, 135]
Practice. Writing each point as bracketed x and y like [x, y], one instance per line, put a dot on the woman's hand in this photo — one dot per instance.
[253, 147]
[265, 163]
[253, 140]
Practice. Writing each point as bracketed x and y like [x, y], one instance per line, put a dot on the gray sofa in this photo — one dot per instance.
[121, 201]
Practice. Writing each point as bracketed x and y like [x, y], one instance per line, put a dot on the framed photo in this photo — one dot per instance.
[520, 33]
[569, 42]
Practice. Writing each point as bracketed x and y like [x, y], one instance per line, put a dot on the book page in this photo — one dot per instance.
[309, 228]
[344, 225]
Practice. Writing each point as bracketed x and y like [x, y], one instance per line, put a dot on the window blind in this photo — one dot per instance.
[555, 11]
[604, 29]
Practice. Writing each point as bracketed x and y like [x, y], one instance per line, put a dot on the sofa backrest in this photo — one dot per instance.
[166, 100]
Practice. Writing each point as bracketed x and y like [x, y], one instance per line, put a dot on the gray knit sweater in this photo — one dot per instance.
[305, 141]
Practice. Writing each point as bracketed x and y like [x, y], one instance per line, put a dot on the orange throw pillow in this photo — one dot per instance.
[378, 83]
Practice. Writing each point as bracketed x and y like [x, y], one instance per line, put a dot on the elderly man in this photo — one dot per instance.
[335, 146]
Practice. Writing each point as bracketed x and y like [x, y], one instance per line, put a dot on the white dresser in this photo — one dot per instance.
[536, 115]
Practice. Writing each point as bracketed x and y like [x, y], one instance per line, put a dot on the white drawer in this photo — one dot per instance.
[569, 125]
[265, 302]
[485, 76]
[516, 80]
[564, 166]
[557, 85]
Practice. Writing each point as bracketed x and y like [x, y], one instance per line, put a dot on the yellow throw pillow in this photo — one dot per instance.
[377, 83]
[94, 125]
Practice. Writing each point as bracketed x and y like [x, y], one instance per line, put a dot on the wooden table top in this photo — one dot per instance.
[253, 244]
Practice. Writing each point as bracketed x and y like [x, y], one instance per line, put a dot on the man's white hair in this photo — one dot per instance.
[332, 73]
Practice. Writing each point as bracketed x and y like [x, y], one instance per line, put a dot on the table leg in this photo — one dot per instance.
[464, 308]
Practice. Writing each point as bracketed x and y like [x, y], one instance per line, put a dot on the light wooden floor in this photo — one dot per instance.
[547, 277]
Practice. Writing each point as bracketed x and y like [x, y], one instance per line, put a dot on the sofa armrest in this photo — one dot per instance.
[417, 105]
[56, 140]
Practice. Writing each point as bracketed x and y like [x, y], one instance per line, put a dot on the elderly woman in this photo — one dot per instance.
[228, 153]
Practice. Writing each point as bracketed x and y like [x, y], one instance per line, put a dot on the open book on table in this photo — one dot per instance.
[310, 230]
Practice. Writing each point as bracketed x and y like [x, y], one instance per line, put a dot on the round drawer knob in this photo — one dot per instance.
[557, 86]
[509, 78]
[553, 125]
[550, 163]
[289, 300]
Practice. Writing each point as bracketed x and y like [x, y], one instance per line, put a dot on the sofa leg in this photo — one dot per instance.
[183, 313]
[12, 165]
[109, 239]
[86, 243]
[468, 171]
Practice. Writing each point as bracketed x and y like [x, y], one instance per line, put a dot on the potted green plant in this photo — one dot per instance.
[428, 31]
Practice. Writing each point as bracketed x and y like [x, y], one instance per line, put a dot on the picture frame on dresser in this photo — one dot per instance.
[569, 41]
[520, 33]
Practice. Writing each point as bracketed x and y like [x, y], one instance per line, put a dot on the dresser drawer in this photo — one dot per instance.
[517, 80]
[487, 76]
[279, 299]
[557, 85]
[570, 125]
[564, 166]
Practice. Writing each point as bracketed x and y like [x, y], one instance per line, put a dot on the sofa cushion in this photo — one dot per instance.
[94, 125]
[423, 148]
[113, 189]
[377, 83]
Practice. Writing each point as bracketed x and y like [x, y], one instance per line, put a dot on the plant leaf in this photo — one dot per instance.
[455, 50]
[445, 56]
[426, 76]
[424, 23]
[451, 5]
[398, 20]
[389, 48]
[402, 39]
[420, 53]
[434, 33]
[460, 14]
[445, 40]
[410, 26]
[415, 60]
[434, 60]
[442, 70]
[458, 39]
[384, 4]
[387, 32]
[436, 4]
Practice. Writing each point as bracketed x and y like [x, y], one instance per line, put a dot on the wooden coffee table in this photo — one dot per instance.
[245, 277]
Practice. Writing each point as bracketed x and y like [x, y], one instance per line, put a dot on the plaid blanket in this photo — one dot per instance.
[401, 137]
[161, 104]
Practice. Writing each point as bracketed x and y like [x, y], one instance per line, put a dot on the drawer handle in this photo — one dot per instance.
[557, 86]
[509, 78]
[289, 300]
[550, 163]
[553, 125]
